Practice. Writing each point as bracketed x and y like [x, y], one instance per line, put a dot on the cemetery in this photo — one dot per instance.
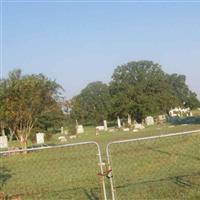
[74, 149]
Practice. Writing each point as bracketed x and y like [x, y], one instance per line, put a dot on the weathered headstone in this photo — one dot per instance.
[100, 128]
[3, 142]
[105, 125]
[62, 130]
[79, 129]
[161, 118]
[40, 138]
[119, 122]
[126, 129]
[62, 139]
[138, 126]
[149, 121]
[129, 120]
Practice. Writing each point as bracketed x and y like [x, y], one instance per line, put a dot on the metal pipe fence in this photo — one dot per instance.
[53, 172]
[158, 167]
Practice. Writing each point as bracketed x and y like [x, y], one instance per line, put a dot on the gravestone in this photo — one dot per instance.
[105, 125]
[138, 126]
[62, 139]
[149, 121]
[119, 122]
[3, 142]
[100, 128]
[129, 120]
[126, 129]
[62, 130]
[40, 138]
[79, 129]
[161, 118]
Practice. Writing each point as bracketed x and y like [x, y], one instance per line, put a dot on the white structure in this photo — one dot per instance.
[62, 130]
[138, 126]
[72, 136]
[100, 128]
[62, 139]
[3, 142]
[149, 121]
[40, 138]
[105, 125]
[79, 129]
[126, 129]
[119, 122]
[161, 118]
[179, 112]
[129, 120]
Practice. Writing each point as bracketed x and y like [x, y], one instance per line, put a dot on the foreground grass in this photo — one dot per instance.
[167, 168]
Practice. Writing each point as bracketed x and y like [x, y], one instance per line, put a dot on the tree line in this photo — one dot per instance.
[142, 88]
[137, 88]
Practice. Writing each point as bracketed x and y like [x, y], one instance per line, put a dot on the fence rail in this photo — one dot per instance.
[157, 167]
[53, 172]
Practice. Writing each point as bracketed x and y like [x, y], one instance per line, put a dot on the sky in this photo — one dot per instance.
[76, 43]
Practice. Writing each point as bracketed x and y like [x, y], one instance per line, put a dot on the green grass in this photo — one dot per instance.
[168, 168]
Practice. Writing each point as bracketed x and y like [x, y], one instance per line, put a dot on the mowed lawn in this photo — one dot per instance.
[167, 168]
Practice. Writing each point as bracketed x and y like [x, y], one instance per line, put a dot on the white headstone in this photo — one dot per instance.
[100, 128]
[105, 125]
[129, 119]
[149, 121]
[79, 129]
[62, 130]
[119, 122]
[126, 129]
[3, 142]
[62, 139]
[138, 126]
[161, 118]
[40, 138]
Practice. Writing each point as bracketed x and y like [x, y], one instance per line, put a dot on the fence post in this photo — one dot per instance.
[101, 168]
[111, 178]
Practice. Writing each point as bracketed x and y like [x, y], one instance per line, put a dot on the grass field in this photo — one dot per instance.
[168, 168]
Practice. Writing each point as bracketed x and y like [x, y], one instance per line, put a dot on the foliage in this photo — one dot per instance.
[140, 89]
[182, 91]
[93, 104]
[25, 99]
[137, 88]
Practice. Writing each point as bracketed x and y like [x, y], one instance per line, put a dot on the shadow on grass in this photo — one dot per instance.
[184, 120]
[180, 180]
[70, 193]
[91, 195]
[174, 153]
[4, 176]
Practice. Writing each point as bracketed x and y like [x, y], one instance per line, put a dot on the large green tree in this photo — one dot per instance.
[92, 105]
[140, 89]
[25, 99]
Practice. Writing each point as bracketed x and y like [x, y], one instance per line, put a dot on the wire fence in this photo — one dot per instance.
[159, 167]
[60, 172]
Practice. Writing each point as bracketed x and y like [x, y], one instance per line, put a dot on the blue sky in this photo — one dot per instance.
[76, 43]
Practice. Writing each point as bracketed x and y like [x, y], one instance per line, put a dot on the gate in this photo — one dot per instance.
[157, 167]
[53, 172]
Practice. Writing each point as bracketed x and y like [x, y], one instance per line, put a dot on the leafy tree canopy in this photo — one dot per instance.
[25, 99]
[92, 105]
